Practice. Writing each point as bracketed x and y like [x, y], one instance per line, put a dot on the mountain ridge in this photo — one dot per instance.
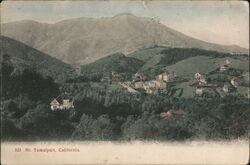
[84, 40]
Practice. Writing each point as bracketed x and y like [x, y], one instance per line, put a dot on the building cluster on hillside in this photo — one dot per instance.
[202, 84]
[227, 87]
[151, 87]
[159, 84]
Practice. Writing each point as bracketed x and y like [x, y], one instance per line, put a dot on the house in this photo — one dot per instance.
[166, 76]
[160, 84]
[152, 91]
[54, 105]
[227, 61]
[235, 82]
[151, 84]
[200, 78]
[225, 66]
[138, 85]
[227, 88]
[150, 87]
[172, 113]
[199, 91]
[114, 74]
[138, 77]
[60, 103]
[154, 86]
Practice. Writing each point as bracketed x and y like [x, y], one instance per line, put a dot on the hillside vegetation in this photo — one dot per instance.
[146, 54]
[186, 61]
[25, 57]
[114, 63]
[107, 111]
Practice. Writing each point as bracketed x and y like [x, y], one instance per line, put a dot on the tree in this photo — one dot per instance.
[44, 124]
[8, 89]
[37, 87]
[90, 129]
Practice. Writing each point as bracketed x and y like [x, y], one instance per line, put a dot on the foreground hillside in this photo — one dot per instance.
[84, 40]
[105, 110]
[25, 57]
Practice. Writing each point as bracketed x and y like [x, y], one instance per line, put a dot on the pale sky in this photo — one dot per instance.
[213, 21]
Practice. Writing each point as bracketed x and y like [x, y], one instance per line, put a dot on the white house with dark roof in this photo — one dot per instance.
[60, 103]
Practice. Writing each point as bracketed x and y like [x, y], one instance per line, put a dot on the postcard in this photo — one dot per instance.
[125, 82]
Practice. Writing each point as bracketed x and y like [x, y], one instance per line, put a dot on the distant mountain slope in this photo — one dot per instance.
[117, 62]
[205, 64]
[83, 40]
[146, 54]
[185, 61]
[23, 56]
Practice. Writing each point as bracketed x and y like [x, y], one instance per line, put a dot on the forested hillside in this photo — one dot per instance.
[103, 112]
[25, 57]
[160, 58]
[119, 63]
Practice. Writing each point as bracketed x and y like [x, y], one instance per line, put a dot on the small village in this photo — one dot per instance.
[163, 81]
[227, 87]
[155, 86]
[160, 84]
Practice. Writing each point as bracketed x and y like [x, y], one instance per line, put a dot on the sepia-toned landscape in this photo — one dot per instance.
[119, 78]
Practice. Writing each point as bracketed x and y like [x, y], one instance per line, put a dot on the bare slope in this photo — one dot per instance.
[83, 40]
